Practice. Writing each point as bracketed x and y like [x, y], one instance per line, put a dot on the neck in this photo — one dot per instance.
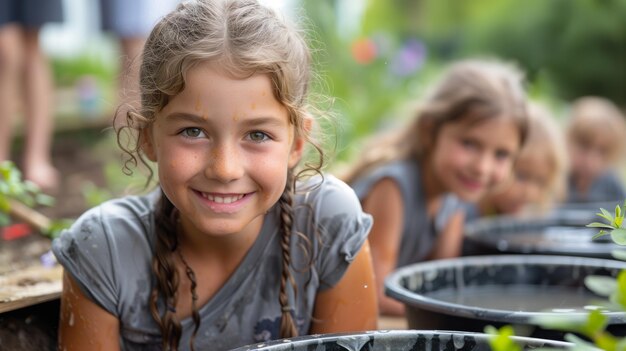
[223, 247]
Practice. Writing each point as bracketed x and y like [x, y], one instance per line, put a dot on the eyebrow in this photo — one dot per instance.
[252, 121]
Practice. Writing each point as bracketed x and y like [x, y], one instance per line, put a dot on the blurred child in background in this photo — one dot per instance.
[538, 179]
[595, 138]
[461, 143]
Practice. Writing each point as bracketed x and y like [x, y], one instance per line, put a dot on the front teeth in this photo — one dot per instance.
[223, 199]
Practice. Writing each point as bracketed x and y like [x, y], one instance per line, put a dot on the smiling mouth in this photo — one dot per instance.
[222, 199]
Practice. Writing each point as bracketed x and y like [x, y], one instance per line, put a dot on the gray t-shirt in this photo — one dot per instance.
[606, 187]
[419, 231]
[108, 251]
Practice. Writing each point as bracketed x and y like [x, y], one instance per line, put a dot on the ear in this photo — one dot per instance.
[298, 143]
[147, 143]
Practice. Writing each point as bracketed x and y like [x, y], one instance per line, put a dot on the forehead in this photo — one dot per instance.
[210, 79]
[493, 129]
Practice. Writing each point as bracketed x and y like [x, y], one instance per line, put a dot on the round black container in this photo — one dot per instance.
[561, 233]
[469, 293]
[398, 340]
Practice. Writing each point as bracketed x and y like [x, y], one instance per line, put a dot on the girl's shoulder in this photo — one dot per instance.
[127, 214]
[327, 195]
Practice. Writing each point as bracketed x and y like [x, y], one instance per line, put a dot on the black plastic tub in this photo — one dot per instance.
[561, 233]
[469, 293]
[398, 340]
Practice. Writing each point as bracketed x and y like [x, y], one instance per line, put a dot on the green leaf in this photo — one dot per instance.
[619, 254]
[618, 216]
[606, 215]
[4, 219]
[596, 322]
[580, 344]
[599, 234]
[619, 296]
[560, 321]
[599, 225]
[43, 199]
[5, 205]
[500, 340]
[601, 284]
[619, 236]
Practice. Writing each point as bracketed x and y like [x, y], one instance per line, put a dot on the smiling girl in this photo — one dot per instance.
[234, 246]
[461, 144]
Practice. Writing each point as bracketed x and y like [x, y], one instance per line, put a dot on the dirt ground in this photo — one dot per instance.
[80, 157]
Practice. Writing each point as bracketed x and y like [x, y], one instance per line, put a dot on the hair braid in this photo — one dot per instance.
[195, 315]
[287, 325]
[167, 279]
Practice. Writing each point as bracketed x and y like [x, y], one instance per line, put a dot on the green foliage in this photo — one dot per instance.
[68, 70]
[56, 227]
[501, 339]
[12, 187]
[613, 227]
[371, 69]
[594, 327]
[574, 44]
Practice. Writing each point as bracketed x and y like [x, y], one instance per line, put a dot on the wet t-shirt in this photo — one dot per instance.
[108, 251]
[419, 232]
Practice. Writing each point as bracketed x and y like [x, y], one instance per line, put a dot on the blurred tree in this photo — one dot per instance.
[579, 45]
[370, 69]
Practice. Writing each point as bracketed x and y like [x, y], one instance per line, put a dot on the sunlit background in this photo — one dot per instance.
[375, 58]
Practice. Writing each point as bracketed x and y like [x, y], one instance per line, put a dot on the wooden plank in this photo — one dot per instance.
[29, 286]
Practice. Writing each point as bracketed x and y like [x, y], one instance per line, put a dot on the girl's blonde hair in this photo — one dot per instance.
[593, 117]
[472, 90]
[244, 38]
[545, 137]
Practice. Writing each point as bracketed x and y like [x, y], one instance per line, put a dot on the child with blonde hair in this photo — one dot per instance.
[595, 137]
[234, 247]
[461, 144]
[538, 178]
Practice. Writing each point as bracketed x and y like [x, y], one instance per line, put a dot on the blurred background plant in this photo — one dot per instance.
[377, 56]
[376, 59]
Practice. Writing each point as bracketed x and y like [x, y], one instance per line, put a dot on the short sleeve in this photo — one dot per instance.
[85, 251]
[108, 251]
[342, 228]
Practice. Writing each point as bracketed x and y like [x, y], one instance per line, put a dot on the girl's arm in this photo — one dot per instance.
[351, 304]
[450, 241]
[385, 204]
[84, 325]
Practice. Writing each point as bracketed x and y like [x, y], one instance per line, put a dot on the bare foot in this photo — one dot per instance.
[44, 175]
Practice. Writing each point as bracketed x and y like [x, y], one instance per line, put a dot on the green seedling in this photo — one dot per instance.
[18, 196]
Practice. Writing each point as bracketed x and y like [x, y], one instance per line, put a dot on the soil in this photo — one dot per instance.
[79, 157]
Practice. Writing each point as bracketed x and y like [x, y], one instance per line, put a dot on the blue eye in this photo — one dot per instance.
[502, 155]
[469, 143]
[192, 132]
[258, 136]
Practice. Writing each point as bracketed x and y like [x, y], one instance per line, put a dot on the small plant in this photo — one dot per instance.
[18, 196]
[593, 327]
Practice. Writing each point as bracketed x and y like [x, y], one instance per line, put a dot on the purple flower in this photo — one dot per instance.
[409, 59]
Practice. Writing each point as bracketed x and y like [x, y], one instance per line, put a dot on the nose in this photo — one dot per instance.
[482, 164]
[225, 163]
